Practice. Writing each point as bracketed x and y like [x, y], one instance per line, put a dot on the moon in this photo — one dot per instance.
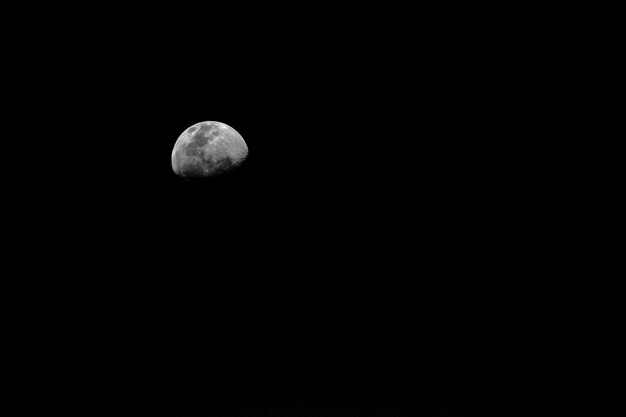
[206, 149]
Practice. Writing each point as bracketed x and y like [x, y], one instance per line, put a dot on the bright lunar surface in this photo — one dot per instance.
[206, 149]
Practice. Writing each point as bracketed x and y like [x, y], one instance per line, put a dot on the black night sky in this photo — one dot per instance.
[372, 257]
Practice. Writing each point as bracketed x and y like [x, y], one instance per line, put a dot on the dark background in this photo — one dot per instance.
[379, 252]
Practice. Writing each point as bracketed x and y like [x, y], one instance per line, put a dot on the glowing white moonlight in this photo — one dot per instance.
[206, 149]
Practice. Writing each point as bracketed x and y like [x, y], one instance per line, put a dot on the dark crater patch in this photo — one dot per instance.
[208, 167]
[206, 127]
[206, 134]
[193, 170]
[225, 163]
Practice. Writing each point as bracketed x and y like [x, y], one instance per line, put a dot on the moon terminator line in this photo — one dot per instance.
[206, 149]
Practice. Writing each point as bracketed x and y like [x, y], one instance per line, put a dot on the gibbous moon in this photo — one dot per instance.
[206, 149]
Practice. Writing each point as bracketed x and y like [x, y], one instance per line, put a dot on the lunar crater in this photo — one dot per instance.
[206, 149]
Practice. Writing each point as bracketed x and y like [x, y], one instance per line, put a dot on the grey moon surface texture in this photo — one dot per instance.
[206, 149]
